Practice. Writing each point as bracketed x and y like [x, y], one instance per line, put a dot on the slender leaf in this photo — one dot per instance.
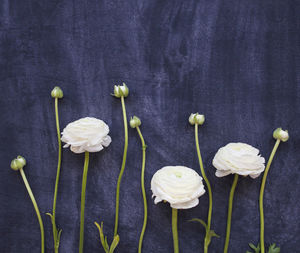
[57, 241]
[114, 243]
[103, 241]
[200, 221]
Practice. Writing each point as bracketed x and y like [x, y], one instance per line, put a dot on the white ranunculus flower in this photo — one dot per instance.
[86, 134]
[178, 185]
[238, 158]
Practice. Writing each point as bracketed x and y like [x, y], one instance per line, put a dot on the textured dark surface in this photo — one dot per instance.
[235, 61]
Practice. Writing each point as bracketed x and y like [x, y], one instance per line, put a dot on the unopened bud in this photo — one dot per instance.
[280, 134]
[57, 92]
[18, 163]
[121, 90]
[196, 118]
[135, 122]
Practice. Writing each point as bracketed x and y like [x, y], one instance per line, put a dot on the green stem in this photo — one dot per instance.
[235, 180]
[143, 190]
[174, 230]
[261, 197]
[57, 178]
[36, 209]
[122, 168]
[84, 178]
[207, 239]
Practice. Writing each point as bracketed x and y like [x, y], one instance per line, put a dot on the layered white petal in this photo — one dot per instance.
[178, 185]
[86, 134]
[238, 158]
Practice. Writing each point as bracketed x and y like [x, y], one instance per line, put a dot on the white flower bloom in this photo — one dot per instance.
[238, 158]
[86, 134]
[178, 185]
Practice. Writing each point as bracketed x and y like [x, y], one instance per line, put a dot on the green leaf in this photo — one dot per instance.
[200, 221]
[106, 244]
[58, 238]
[56, 234]
[51, 217]
[209, 234]
[114, 244]
[213, 234]
[255, 248]
[103, 241]
[273, 249]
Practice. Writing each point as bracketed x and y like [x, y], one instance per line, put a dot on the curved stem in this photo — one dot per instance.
[84, 178]
[175, 230]
[122, 168]
[57, 178]
[143, 190]
[36, 210]
[207, 240]
[235, 180]
[261, 197]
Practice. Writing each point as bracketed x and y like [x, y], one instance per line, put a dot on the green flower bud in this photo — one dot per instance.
[121, 90]
[57, 92]
[280, 134]
[196, 118]
[135, 122]
[18, 163]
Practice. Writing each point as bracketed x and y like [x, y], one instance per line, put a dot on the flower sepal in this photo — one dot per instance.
[121, 91]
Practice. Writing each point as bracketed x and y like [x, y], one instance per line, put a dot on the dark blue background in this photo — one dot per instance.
[237, 62]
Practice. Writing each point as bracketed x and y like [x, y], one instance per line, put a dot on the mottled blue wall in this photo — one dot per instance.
[237, 62]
